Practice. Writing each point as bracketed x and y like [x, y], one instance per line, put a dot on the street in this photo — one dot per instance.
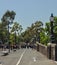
[25, 57]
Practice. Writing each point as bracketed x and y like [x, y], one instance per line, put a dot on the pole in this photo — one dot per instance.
[51, 31]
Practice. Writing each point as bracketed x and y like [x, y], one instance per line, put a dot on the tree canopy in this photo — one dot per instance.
[30, 34]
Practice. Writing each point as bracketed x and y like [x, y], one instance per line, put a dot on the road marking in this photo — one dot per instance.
[55, 61]
[20, 58]
[34, 59]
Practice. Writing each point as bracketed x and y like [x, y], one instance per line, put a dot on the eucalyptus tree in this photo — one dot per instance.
[16, 29]
[32, 31]
[38, 28]
[1, 32]
[28, 34]
[47, 28]
[7, 19]
[55, 28]
[38, 25]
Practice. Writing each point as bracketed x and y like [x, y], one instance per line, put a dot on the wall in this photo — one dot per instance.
[42, 48]
[49, 51]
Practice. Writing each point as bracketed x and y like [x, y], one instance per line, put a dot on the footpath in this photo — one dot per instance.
[43, 60]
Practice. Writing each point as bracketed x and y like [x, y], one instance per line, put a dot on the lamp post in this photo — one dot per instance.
[51, 27]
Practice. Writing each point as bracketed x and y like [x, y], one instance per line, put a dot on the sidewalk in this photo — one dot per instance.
[42, 60]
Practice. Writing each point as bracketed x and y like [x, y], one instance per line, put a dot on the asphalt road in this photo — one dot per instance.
[12, 58]
[25, 57]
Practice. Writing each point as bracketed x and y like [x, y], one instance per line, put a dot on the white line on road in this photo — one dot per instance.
[34, 59]
[55, 61]
[20, 58]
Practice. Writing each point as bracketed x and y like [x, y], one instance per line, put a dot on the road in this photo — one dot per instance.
[25, 57]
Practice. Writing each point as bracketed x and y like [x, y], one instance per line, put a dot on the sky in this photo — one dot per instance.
[29, 11]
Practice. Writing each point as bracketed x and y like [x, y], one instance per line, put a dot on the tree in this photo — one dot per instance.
[1, 33]
[55, 28]
[17, 28]
[7, 19]
[32, 32]
[47, 28]
[44, 38]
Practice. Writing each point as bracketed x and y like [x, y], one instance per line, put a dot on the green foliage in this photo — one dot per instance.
[12, 38]
[32, 31]
[16, 29]
[6, 20]
[30, 34]
[8, 16]
[55, 28]
[44, 38]
[47, 28]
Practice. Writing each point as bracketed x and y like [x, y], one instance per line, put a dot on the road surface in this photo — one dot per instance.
[25, 57]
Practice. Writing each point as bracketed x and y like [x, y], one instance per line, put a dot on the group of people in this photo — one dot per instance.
[7, 46]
